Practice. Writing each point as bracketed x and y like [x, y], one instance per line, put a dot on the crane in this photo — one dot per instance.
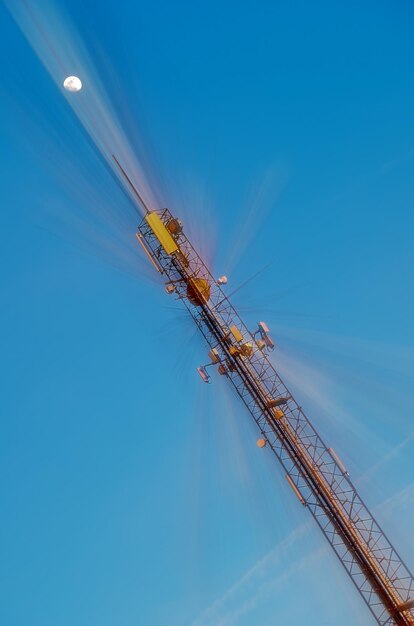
[314, 471]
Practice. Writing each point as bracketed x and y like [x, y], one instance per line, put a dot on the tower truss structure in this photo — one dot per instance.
[314, 471]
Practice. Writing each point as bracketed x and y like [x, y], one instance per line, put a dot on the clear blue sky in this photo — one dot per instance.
[131, 494]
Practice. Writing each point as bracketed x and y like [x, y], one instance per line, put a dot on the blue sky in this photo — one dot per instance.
[283, 136]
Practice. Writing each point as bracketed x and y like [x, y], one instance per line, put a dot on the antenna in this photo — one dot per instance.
[131, 184]
[315, 473]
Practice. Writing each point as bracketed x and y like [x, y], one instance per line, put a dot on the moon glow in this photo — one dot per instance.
[72, 83]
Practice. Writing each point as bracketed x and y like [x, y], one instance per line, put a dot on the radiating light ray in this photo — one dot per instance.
[318, 391]
[280, 313]
[319, 382]
[60, 48]
[96, 220]
[386, 458]
[261, 200]
[352, 389]
[193, 204]
[268, 574]
[251, 278]
[257, 573]
[104, 145]
[392, 357]
[89, 212]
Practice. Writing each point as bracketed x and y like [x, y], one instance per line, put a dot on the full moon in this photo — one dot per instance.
[72, 83]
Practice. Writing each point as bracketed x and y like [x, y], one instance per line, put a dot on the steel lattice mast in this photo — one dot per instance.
[314, 471]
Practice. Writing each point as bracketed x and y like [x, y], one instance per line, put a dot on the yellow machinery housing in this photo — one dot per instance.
[162, 234]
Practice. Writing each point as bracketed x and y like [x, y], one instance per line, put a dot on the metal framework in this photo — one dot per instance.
[315, 473]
